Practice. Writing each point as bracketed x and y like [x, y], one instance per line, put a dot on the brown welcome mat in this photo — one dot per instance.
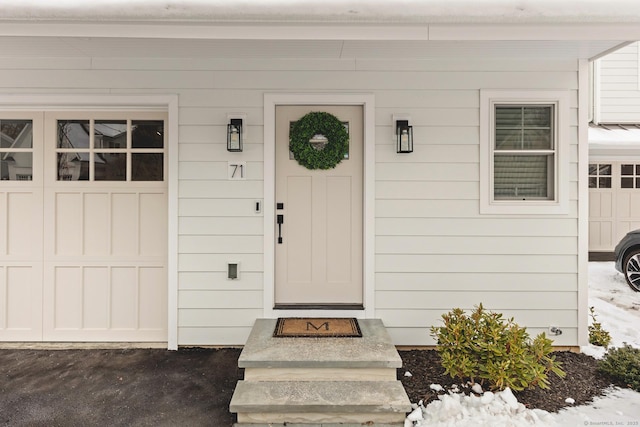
[312, 327]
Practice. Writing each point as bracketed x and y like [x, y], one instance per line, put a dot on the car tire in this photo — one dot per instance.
[631, 269]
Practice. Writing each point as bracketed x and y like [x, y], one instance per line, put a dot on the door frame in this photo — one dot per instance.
[367, 101]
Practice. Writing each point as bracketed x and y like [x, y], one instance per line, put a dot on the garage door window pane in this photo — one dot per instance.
[110, 134]
[599, 175]
[630, 176]
[16, 166]
[110, 167]
[147, 134]
[117, 149]
[16, 150]
[16, 134]
[147, 167]
[73, 134]
[73, 166]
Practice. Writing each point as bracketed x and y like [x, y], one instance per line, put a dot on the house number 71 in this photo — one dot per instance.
[237, 170]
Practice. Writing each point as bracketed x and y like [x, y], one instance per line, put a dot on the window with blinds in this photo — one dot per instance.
[524, 152]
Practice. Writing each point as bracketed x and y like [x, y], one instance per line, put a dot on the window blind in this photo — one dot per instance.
[524, 152]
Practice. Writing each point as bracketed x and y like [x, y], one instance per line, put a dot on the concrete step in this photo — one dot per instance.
[374, 350]
[320, 382]
[309, 403]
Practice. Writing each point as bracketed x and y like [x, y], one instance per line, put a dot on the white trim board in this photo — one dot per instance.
[614, 31]
[167, 103]
[271, 100]
[583, 202]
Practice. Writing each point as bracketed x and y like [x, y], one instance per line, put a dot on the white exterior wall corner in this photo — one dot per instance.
[583, 203]
[433, 250]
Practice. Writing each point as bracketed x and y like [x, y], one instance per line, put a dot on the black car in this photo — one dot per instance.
[628, 259]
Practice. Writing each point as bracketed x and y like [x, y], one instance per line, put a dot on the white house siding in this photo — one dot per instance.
[434, 251]
[620, 86]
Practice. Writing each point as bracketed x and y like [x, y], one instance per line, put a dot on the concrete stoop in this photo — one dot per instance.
[320, 382]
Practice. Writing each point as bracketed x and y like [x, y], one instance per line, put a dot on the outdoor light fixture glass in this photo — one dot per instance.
[404, 136]
[234, 135]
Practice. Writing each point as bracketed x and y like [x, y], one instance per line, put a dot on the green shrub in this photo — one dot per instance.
[484, 347]
[597, 335]
[622, 364]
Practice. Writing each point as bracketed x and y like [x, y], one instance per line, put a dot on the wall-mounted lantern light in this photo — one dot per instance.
[234, 135]
[404, 136]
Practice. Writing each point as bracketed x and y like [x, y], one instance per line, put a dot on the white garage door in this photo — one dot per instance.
[614, 203]
[83, 227]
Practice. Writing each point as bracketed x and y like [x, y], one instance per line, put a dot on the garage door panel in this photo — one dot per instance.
[67, 298]
[103, 287]
[600, 204]
[96, 301]
[68, 223]
[634, 204]
[19, 292]
[124, 220]
[628, 204]
[21, 264]
[22, 223]
[83, 256]
[124, 298]
[600, 234]
[153, 314]
[96, 224]
[153, 217]
[20, 303]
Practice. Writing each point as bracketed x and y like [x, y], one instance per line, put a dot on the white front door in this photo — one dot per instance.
[319, 261]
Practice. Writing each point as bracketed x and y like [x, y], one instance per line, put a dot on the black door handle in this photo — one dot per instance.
[280, 221]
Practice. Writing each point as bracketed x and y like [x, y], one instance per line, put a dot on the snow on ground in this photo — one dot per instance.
[617, 308]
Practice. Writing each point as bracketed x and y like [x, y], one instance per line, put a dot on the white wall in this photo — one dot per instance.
[620, 86]
[434, 251]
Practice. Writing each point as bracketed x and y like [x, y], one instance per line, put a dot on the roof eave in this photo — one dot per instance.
[323, 31]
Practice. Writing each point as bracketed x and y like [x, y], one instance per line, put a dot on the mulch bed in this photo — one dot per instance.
[582, 383]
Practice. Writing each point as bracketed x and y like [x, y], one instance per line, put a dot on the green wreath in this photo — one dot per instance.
[318, 156]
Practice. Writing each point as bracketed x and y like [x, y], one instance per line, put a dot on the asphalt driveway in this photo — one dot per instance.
[190, 387]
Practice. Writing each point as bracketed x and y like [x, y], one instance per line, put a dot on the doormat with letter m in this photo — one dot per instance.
[317, 327]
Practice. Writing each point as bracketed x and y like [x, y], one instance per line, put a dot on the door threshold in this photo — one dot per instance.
[318, 307]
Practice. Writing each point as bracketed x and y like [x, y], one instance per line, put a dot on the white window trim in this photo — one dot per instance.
[560, 202]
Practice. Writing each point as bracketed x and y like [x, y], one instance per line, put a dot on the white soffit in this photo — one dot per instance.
[325, 19]
[340, 29]
[614, 140]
